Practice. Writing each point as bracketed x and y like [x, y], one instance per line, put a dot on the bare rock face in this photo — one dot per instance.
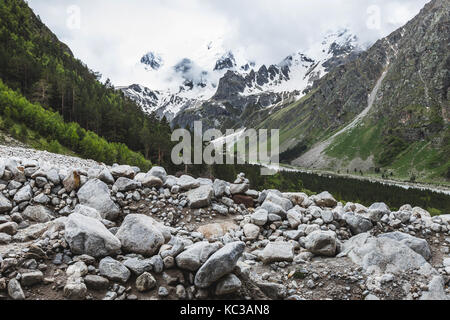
[86, 235]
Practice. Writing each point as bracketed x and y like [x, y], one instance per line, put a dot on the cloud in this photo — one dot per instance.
[113, 35]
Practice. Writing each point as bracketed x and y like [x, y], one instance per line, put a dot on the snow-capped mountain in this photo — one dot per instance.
[219, 75]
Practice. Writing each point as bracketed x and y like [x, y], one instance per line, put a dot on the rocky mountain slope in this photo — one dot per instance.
[220, 88]
[77, 229]
[387, 108]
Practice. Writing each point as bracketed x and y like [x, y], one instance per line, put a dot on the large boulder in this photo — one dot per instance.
[200, 197]
[140, 234]
[277, 251]
[5, 204]
[195, 255]
[418, 245]
[382, 255]
[37, 213]
[95, 194]
[221, 263]
[86, 235]
[322, 243]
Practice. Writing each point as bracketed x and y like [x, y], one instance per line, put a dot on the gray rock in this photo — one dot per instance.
[272, 290]
[327, 216]
[37, 213]
[382, 255]
[24, 194]
[219, 264]
[376, 211]
[403, 216]
[158, 172]
[200, 197]
[87, 235]
[87, 211]
[5, 204]
[106, 176]
[187, 182]
[273, 208]
[31, 278]
[140, 234]
[138, 266]
[260, 217]
[75, 289]
[114, 270]
[15, 290]
[251, 231]
[418, 245]
[325, 199]
[436, 290]
[277, 251]
[219, 187]
[9, 228]
[284, 203]
[239, 188]
[123, 171]
[294, 217]
[196, 255]
[95, 282]
[221, 209]
[145, 282]
[124, 184]
[321, 243]
[228, 284]
[357, 223]
[95, 194]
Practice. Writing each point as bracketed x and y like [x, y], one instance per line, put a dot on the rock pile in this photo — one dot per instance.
[102, 232]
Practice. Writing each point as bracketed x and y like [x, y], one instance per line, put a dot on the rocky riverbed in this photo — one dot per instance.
[77, 229]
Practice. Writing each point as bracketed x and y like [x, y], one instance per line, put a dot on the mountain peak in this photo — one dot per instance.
[153, 60]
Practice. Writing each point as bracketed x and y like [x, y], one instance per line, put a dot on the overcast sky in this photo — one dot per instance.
[111, 36]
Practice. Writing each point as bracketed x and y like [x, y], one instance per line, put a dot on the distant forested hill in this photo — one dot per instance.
[35, 63]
